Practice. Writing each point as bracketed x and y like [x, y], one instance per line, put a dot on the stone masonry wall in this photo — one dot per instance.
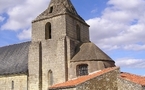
[127, 85]
[13, 82]
[53, 53]
[92, 66]
[71, 29]
[58, 28]
[107, 81]
[54, 59]
[65, 89]
[144, 88]
[34, 66]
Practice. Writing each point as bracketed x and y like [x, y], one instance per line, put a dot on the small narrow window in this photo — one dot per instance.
[82, 70]
[12, 85]
[48, 31]
[51, 9]
[78, 32]
[50, 78]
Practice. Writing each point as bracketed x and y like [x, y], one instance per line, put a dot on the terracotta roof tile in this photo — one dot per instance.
[81, 79]
[134, 78]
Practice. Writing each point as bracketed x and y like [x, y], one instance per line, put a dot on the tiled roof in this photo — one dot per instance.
[14, 59]
[134, 78]
[81, 79]
[89, 51]
[61, 7]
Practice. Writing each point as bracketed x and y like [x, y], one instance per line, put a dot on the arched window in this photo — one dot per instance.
[78, 32]
[48, 30]
[50, 78]
[51, 9]
[82, 69]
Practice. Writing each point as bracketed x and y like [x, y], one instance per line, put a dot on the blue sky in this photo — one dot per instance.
[116, 26]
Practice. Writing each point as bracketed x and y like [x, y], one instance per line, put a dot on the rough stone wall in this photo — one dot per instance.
[54, 59]
[19, 82]
[57, 51]
[72, 41]
[144, 88]
[34, 66]
[53, 52]
[71, 45]
[71, 29]
[107, 81]
[92, 66]
[128, 85]
[58, 28]
[65, 89]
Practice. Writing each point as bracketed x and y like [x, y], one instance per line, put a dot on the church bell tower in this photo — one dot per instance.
[56, 33]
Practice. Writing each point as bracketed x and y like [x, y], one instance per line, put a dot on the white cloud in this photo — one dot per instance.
[21, 15]
[25, 34]
[6, 4]
[131, 63]
[2, 18]
[121, 26]
[134, 47]
[130, 4]
[94, 10]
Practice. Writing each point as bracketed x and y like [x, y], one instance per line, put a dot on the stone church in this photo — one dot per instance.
[61, 56]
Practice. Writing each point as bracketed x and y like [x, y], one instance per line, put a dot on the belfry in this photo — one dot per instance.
[64, 50]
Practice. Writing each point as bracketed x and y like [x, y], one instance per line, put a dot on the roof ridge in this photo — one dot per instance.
[133, 78]
[57, 8]
[15, 44]
[81, 79]
[133, 74]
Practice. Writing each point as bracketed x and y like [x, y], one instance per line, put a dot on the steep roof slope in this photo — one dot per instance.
[14, 58]
[59, 7]
[82, 79]
[133, 78]
[89, 51]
